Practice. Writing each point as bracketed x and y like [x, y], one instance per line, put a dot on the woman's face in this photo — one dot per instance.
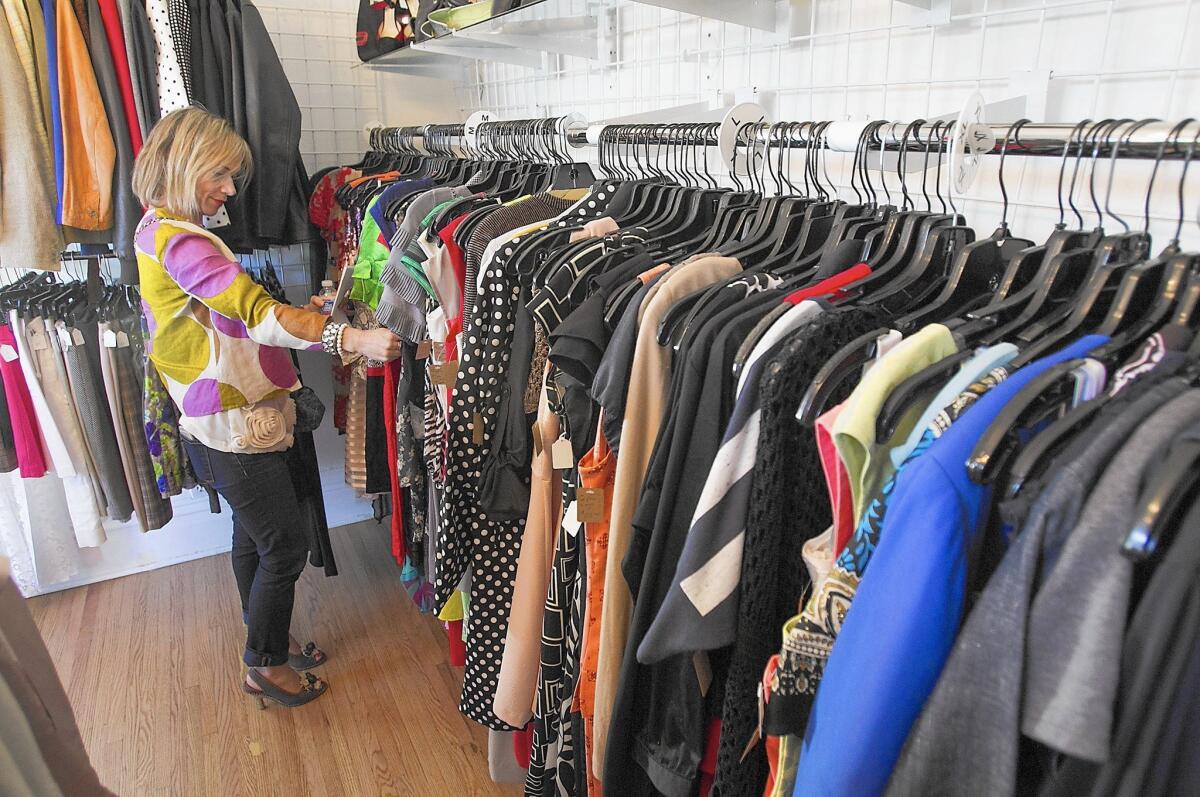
[215, 188]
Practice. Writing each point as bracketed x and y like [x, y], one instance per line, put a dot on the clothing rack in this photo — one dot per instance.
[1124, 138]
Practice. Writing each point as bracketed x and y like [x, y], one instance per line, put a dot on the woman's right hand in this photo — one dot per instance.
[374, 344]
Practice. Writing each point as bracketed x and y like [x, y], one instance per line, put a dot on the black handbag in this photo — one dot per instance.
[310, 410]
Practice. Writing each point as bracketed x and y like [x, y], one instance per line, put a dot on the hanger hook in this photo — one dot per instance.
[1062, 168]
[1084, 141]
[1107, 137]
[1112, 167]
[1182, 179]
[1175, 132]
[1012, 132]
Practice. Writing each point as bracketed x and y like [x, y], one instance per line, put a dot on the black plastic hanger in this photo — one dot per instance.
[1063, 259]
[1174, 480]
[978, 265]
[1047, 395]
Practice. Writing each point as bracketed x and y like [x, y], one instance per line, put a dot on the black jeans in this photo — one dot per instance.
[269, 542]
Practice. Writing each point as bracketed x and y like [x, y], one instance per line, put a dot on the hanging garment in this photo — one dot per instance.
[27, 192]
[89, 155]
[29, 40]
[949, 742]
[935, 487]
[44, 368]
[8, 447]
[646, 403]
[276, 202]
[130, 380]
[517, 682]
[169, 70]
[127, 210]
[356, 434]
[108, 373]
[27, 433]
[141, 52]
[110, 16]
[88, 394]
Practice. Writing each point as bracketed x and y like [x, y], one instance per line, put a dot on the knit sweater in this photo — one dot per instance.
[788, 507]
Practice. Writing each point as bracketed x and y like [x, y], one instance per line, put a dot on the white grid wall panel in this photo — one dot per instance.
[878, 59]
[315, 42]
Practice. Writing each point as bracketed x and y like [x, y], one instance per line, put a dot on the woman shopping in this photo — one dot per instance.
[219, 342]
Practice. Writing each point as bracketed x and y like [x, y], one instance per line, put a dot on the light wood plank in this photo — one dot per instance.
[152, 664]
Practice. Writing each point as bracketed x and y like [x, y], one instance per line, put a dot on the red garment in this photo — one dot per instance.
[459, 262]
[708, 764]
[458, 648]
[27, 433]
[830, 286]
[837, 481]
[391, 375]
[522, 745]
[116, 45]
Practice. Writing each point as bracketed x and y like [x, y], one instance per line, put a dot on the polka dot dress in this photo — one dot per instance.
[172, 88]
[181, 35]
[468, 539]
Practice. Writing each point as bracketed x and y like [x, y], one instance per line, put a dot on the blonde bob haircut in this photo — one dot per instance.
[183, 147]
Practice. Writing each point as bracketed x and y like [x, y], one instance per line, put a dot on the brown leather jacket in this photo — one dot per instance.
[88, 150]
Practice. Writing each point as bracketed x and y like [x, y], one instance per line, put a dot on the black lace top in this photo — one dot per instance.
[789, 506]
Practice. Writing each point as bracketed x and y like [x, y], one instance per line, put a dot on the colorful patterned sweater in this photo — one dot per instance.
[215, 336]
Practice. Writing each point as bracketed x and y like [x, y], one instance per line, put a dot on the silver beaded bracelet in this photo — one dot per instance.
[331, 338]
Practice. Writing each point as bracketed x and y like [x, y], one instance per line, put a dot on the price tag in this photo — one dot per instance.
[77, 336]
[37, 339]
[8, 353]
[591, 504]
[424, 348]
[477, 429]
[444, 374]
[109, 339]
[64, 337]
[561, 455]
[704, 674]
[122, 339]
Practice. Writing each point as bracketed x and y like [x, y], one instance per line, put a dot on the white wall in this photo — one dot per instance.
[877, 59]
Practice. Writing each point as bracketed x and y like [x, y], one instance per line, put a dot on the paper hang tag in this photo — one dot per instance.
[122, 339]
[77, 336]
[8, 353]
[38, 340]
[477, 429]
[444, 374]
[110, 339]
[591, 504]
[704, 673]
[424, 348]
[64, 337]
[561, 455]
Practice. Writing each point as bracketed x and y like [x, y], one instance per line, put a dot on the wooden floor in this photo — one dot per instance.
[151, 664]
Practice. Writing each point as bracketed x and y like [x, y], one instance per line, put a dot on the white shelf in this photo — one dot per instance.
[522, 39]
[506, 39]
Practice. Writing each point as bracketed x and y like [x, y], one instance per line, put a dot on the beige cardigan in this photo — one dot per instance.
[644, 406]
[516, 689]
[28, 236]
